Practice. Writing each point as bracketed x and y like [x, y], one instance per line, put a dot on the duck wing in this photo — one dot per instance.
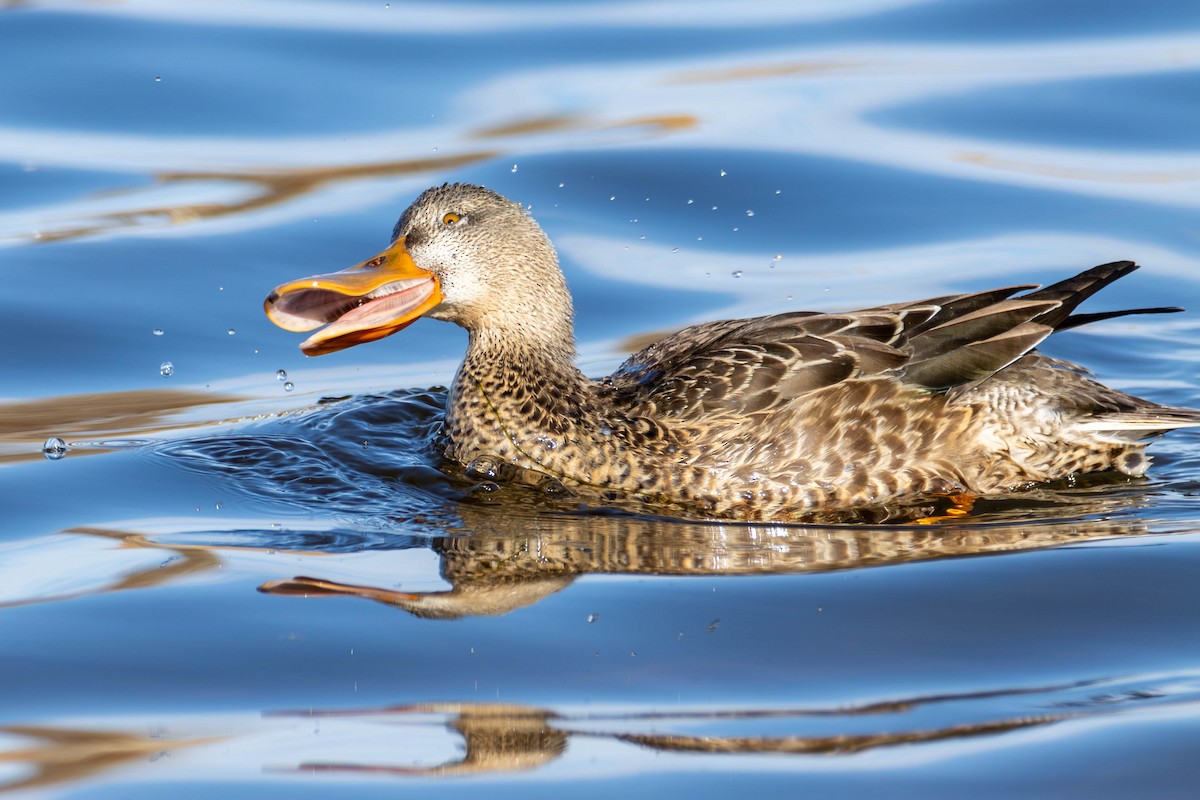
[755, 365]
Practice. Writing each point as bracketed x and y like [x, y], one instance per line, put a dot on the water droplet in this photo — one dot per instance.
[231, 331]
[714, 208]
[158, 331]
[779, 191]
[514, 169]
[699, 238]
[158, 78]
[287, 387]
[643, 236]
[674, 249]
[723, 173]
[749, 212]
[281, 375]
[54, 448]
[560, 185]
[605, 430]
[690, 202]
[593, 617]
[613, 197]
[735, 230]
[737, 273]
[166, 369]
[220, 505]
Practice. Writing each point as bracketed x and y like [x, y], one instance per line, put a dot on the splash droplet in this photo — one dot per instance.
[158, 331]
[281, 375]
[690, 202]
[593, 617]
[287, 387]
[231, 331]
[158, 78]
[749, 212]
[166, 369]
[54, 448]
[723, 173]
[737, 273]
[514, 168]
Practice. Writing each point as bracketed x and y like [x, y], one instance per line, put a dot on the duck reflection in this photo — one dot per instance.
[523, 559]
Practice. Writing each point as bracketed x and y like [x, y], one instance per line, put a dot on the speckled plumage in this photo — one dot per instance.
[790, 416]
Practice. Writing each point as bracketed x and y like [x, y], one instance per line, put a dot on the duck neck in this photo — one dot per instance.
[505, 356]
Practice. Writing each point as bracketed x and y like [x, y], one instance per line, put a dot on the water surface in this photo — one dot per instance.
[250, 584]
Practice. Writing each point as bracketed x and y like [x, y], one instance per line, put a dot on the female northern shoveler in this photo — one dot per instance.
[787, 416]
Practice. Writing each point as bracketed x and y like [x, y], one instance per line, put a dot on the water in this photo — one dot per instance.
[251, 579]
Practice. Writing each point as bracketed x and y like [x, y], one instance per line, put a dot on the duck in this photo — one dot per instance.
[793, 416]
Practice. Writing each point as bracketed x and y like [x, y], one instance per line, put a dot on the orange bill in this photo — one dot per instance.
[368, 301]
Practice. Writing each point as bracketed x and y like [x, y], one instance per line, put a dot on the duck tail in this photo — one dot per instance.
[1070, 293]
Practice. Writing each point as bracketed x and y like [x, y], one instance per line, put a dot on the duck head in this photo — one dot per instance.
[459, 253]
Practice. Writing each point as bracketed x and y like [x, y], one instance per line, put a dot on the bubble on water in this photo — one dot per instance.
[737, 273]
[281, 375]
[231, 331]
[166, 369]
[54, 448]
[749, 212]
[158, 331]
[287, 387]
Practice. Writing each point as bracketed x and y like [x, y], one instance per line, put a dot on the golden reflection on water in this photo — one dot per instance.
[274, 186]
[108, 415]
[501, 737]
[1078, 174]
[70, 755]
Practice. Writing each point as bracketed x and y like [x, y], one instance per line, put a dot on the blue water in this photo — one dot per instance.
[244, 584]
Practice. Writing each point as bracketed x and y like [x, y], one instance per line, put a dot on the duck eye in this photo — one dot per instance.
[451, 218]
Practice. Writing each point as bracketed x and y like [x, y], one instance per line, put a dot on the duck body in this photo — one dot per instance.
[786, 417]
